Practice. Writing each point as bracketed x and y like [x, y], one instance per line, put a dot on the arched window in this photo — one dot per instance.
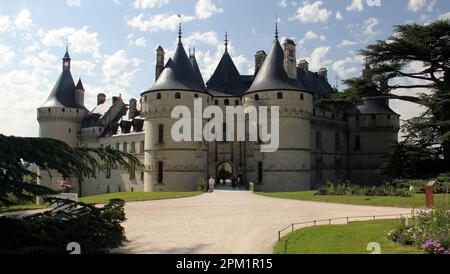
[196, 96]
[236, 102]
[63, 110]
[302, 97]
[158, 96]
[227, 102]
[256, 97]
[177, 95]
[280, 95]
[216, 102]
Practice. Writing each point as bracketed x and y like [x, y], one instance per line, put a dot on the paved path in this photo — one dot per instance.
[225, 222]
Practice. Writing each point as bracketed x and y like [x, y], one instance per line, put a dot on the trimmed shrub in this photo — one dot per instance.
[201, 185]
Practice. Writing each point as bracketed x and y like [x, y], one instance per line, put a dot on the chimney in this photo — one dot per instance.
[324, 73]
[101, 98]
[159, 62]
[133, 109]
[290, 58]
[260, 57]
[303, 65]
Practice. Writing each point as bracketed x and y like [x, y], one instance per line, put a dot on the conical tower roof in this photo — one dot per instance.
[196, 68]
[80, 85]
[226, 78]
[272, 75]
[178, 73]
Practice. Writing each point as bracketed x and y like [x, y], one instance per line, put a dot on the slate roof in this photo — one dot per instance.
[226, 80]
[272, 75]
[370, 106]
[63, 93]
[194, 65]
[178, 74]
[315, 83]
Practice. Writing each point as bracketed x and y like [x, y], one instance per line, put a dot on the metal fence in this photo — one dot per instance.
[331, 221]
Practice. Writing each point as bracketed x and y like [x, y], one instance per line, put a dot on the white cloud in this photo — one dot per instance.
[346, 43]
[149, 4]
[339, 16]
[74, 3]
[312, 13]
[198, 38]
[348, 67]
[140, 42]
[206, 8]
[416, 5]
[82, 68]
[445, 16]
[80, 40]
[6, 55]
[5, 23]
[369, 25]
[118, 69]
[318, 59]
[282, 3]
[158, 22]
[356, 5]
[23, 20]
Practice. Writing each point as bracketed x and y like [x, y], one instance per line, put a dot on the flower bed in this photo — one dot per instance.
[428, 231]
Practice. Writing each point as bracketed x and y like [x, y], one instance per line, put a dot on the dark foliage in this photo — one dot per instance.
[97, 230]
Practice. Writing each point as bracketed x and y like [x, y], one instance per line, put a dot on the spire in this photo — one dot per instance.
[276, 27]
[226, 41]
[66, 59]
[179, 30]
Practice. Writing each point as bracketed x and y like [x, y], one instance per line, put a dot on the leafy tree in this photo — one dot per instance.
[17, 153]
[421, 54]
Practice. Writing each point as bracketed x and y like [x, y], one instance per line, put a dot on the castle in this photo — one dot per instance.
[315, 146]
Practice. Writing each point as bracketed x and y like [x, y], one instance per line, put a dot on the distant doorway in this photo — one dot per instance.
[225, 173]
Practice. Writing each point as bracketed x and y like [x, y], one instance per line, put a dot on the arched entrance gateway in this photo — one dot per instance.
[225, 173]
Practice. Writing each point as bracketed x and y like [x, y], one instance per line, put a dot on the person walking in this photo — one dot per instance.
[211, 184]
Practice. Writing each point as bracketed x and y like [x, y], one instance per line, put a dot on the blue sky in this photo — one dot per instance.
[113, 42]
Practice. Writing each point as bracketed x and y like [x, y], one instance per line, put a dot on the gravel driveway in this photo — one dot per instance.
[225, 222]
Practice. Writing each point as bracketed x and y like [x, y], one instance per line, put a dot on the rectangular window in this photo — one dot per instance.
[125, 147]
[318, 140]
[108, 171]
[117, 146]
[133, 171]
[260, 172]
[133, 147]
[142, 147]
[160, 172]
[337, 141]
[358, 143]
[142, 175]
[161, 134]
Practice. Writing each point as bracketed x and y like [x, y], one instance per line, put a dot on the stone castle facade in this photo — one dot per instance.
[315, 146]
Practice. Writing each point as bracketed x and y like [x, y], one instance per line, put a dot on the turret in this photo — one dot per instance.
[272, 87]
[324, 73]
[173, 165]
[79, 93]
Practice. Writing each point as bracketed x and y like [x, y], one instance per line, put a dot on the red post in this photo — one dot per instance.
[429, 194]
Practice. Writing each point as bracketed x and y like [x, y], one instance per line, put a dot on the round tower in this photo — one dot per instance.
[171, 165]
[61, 117]
[373, 131]
[287, 169]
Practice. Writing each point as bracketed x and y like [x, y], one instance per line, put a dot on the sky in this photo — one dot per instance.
[112, 42]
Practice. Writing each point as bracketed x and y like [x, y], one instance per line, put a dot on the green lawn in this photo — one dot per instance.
[104, 198]
[419, 199]
[352, 238]
[137, 196]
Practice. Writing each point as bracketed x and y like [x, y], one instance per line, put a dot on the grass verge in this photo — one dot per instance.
[352, 238]
[406, 202]
[105, 198]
